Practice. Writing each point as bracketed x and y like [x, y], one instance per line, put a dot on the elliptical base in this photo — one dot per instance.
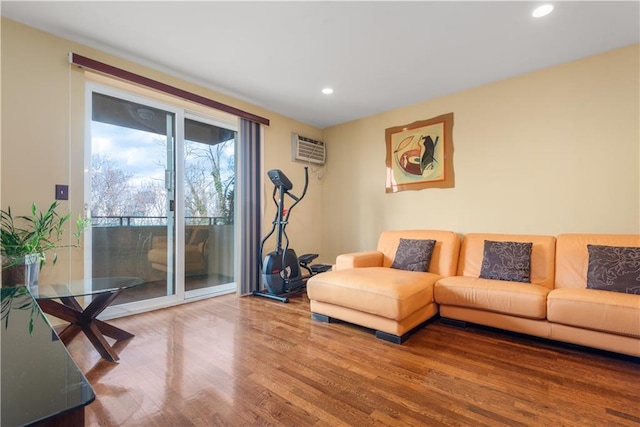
[283, 297]
[270, 296]
[286, 291]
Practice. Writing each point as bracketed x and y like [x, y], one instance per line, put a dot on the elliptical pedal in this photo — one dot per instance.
[306, 259]
[320, 268]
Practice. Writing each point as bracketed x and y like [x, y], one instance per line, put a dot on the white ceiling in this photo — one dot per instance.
[376, 55]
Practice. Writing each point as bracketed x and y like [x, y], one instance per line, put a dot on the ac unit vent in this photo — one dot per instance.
[307, 150]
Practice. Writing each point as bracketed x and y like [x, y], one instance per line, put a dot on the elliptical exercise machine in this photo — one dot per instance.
[281, 268]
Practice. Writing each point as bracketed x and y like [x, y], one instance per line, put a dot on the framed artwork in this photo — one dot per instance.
[420, 155]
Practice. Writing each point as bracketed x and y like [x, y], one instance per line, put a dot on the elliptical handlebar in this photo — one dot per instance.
[304, 191]
[285, 219]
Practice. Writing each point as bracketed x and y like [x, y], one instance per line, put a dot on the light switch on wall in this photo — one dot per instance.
[62, 192]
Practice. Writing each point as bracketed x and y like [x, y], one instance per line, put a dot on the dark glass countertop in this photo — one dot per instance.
[78, 288]
[39, 378]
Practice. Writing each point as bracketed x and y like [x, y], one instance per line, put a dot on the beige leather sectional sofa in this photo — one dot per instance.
[365, 290]
[556, 304]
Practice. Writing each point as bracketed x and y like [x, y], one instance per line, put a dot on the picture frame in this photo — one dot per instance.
[420, 155]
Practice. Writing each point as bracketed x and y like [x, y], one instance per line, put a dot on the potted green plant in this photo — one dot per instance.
[25, 241]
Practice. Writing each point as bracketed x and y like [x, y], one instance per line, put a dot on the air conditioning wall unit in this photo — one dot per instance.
[307, 150]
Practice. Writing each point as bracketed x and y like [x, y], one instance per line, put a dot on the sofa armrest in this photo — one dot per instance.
[358, 260]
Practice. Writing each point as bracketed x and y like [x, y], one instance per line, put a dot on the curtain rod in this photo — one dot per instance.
[92, 64]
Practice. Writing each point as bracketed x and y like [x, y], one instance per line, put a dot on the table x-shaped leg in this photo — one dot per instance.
[85, 320]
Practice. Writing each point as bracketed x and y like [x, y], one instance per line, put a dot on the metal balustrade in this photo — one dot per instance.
[138, 221]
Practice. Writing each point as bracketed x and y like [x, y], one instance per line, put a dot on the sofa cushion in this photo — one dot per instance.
[498, 296]
[509, 261]
[614, 268]
[445, 253]
[573, 256]
[394, 294]
[542, 255]
[413, 254]
[605, 311]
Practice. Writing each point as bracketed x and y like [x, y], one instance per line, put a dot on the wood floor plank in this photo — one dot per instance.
[232, 361]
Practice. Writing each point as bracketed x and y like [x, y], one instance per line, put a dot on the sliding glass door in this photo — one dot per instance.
[161, 198]
[209, 206]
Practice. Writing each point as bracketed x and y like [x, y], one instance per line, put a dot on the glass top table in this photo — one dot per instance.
[103, 291]
[79, 288]
[40, 380]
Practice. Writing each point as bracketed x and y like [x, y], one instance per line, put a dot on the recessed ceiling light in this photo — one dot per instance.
[327, 91]
[542, 11]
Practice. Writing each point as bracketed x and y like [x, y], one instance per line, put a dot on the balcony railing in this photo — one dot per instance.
[142, 221]
[120, 244]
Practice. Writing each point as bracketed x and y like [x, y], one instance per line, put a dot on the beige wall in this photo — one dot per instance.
[42, 134]
[548, 152]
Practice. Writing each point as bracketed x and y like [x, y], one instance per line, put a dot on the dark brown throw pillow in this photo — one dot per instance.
[614, 268]
[507, 261]
[413, 255]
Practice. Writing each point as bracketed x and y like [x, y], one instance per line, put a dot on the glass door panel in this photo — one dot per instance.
[132, 199]
[209, 203]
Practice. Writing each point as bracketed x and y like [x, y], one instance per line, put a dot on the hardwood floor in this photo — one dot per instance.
[248, 361]
[158, 288]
